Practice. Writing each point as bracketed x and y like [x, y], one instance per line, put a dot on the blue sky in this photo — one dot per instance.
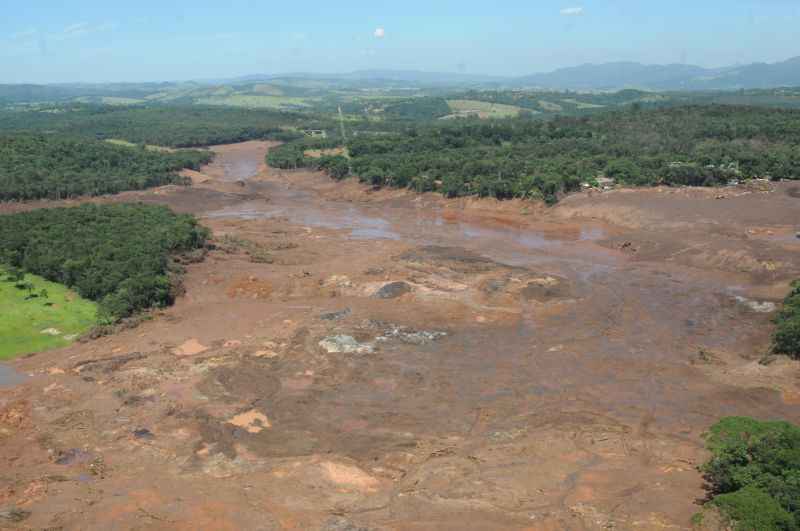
[146, 40]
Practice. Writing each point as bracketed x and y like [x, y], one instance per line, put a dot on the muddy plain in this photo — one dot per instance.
[349, 359]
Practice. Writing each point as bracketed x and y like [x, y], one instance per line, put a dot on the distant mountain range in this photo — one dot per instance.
[606, 76]
[588, 77]
[668, 77]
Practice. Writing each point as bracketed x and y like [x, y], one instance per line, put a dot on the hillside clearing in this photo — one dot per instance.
[483, 109]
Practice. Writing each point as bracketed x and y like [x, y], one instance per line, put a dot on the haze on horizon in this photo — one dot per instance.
[93, 41]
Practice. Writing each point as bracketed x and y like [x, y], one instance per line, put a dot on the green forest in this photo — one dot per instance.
[754, 473]
[527, 158]
[119, 255]
[57, 167]
[787, 332]
[174, 126]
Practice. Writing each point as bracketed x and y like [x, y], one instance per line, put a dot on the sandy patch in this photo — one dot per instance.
[253, 421]
[190, 348]
[349, 476]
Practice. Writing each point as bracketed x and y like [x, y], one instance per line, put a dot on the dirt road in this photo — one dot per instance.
[350, 359]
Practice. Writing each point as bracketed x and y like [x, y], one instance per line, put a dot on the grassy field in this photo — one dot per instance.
[583, 104]
[120, 142]
[484, 109]
[255, 101]
[318, 153]
[550, 106]
[40, 323]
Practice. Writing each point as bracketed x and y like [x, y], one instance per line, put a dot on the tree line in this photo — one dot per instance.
[170, 126]
[35, 166]
[527, 158]
[120, 255]
[787, 333]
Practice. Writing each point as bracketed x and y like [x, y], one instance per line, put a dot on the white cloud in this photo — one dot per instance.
[76, 29]
[571, 11]
[81, 29]
[379, 33]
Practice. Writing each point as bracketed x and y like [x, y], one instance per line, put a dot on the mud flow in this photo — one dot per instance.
[349, 359]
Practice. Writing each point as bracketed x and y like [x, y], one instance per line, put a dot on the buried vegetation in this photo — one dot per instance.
[39, 315]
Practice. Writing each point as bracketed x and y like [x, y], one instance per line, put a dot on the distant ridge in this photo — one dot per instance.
[668, 77]
[605, 76]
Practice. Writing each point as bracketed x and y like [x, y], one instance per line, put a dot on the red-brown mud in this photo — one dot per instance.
[531, 369]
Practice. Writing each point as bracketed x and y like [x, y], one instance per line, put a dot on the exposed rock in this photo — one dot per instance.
[13, 514]
[342, 344]
[758, 307]
[51, 332]
[108, 365]
[335, 316]
[453, 258]
[545, 288]
[414, 337]
[73, 456]
[392, 290]
[143, 433]
[339, 523]
[389, 331]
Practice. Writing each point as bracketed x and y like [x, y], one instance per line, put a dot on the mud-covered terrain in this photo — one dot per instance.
[349, 359]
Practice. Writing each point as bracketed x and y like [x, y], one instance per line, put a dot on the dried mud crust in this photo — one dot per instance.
[439, 380]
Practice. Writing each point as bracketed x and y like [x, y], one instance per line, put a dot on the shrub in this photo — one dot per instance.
[754, 472]
[787, 333]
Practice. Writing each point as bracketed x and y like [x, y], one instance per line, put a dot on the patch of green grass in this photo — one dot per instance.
[484, 109]
[125, 143]
[550, 106]
[23, 318]
[583, 104]
[255, 101]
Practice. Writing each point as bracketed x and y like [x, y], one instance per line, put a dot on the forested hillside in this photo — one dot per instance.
[118, 255]
[692, 145]
[57, 167]
[177, 126]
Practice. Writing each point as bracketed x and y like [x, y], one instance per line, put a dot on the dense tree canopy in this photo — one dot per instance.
[787, 333]
[693, 145]
[754, 473]
[117, 254]
[174, 126]
[55, 167]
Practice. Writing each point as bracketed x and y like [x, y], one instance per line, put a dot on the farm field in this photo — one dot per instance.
[256, 101]
[483, 109]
